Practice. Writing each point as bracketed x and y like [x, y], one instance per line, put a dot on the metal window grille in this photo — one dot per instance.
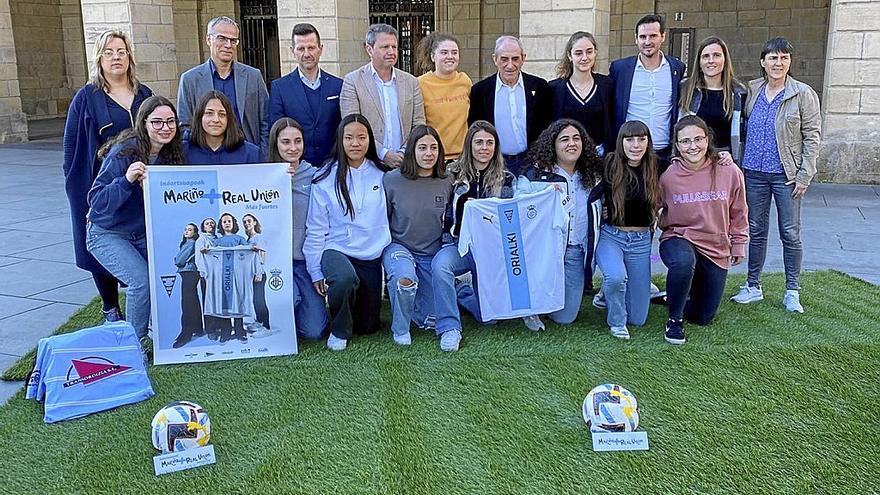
[413, 19]
[259, 36]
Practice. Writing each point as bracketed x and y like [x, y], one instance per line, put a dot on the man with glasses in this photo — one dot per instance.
[242, 84]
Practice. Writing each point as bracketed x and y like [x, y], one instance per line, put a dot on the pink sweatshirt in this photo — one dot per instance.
[714, 219]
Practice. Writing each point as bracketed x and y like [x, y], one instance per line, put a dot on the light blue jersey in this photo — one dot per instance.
[88, 371]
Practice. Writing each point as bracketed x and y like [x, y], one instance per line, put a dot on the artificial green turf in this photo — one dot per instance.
[760, 402]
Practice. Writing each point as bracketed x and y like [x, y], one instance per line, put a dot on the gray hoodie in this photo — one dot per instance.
[301, 185]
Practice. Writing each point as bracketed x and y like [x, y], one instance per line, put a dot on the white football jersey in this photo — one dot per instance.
[518, 246]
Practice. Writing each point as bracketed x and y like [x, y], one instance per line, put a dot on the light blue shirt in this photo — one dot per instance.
[388, 96]
[510, 116]
[650, 100]
[309, 84]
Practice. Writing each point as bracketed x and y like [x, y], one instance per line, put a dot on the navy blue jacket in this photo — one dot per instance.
[197, 155]
[114, 202]
[621, 73]
[288, 99]
[88, 127]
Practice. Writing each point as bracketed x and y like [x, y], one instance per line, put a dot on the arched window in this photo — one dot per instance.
[413, 19]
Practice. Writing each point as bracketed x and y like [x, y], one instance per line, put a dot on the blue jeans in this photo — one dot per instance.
[761, 187]
[408, 303]
[124, 255]
[445, 266]
[625, 260]
[574, 285]
[694, 284]
[308, 306]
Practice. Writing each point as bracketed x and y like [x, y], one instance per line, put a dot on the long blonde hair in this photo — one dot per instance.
[96, 73]
[464, 170]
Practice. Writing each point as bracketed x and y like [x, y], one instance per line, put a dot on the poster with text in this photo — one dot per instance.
[219, 240]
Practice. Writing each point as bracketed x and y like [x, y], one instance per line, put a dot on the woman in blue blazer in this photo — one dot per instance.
[215, 137]
[100, 110]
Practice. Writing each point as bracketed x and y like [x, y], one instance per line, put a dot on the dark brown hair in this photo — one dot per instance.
[277, 127]
[171, 153]
[409, 168]
[619, 175]
[232, 138]
[542, 153]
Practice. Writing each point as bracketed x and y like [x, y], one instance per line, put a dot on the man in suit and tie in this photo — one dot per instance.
[242, 84]
[308, 95]
[518, 104]
[389, 98]
[646, 86]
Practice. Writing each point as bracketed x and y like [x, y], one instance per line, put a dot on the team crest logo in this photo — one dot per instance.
[91, 369]
[168, 283]
[275, 281]
[532, 212]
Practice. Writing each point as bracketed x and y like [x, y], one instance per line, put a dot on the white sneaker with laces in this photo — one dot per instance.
[620, 332]
[450, 340]
[748, 294]
[336, 344]
[792, 301]
[405, 339]
[533, 323]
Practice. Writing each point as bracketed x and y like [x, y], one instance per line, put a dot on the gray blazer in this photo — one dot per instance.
[359, 95]
[251, 98]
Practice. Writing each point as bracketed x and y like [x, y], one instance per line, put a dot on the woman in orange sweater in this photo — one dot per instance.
[705, 227]
[445, 90]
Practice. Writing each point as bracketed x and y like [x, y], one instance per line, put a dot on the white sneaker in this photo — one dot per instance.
[620, 332]
[533, 323]
[336, 344]
[792, 301]
[599, 300]
[261, 333]
[450, 340]
[748, 294]
[405, 339]
[655, 291]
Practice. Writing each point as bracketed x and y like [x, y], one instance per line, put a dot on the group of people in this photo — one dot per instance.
[382, 164]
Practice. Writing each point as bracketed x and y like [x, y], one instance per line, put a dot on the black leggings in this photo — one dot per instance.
[108, 288]
[694, 284]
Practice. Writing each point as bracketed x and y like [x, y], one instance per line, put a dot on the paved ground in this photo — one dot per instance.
[40, 287]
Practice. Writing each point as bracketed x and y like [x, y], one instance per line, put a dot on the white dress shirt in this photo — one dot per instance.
[510, 116]
[650, 100]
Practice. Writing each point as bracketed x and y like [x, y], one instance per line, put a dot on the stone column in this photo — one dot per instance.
[851, 97]
[75, 58]
[13, 122]
[545, 30]
[341, 23]
[151, 26]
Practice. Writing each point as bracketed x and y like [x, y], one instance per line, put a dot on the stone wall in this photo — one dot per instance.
[851, 106]
[477, 24]
[744, 24]
[13, 123]
[40, 53]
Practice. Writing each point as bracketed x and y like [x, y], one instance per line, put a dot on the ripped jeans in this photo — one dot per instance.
[409, 302]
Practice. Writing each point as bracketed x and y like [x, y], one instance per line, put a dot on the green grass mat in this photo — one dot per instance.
[760, 402]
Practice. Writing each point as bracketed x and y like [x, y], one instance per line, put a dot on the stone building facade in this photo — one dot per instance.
[45, 45]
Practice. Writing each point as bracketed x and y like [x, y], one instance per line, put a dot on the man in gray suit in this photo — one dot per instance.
[242, 84]
[389, 98]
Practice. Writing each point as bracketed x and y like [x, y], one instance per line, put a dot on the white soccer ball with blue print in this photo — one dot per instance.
[180, 426]
[610, 408]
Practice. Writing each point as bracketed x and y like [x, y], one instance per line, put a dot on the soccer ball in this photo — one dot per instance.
[611, 408]
[180, 426]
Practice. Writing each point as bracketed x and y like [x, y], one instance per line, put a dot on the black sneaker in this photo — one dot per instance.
[182, 340]
[112, 315]
[241, 336]
[675, 332]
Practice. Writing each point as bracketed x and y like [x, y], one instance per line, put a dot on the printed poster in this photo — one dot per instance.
[220, 249]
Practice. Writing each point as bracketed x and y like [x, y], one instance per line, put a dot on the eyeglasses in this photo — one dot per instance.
[157, 124]
[688, 141]
[109, 53]
[224, 40]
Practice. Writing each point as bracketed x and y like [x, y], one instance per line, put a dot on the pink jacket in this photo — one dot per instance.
[714, 218]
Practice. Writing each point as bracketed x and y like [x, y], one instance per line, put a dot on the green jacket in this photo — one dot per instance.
[798, 127]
